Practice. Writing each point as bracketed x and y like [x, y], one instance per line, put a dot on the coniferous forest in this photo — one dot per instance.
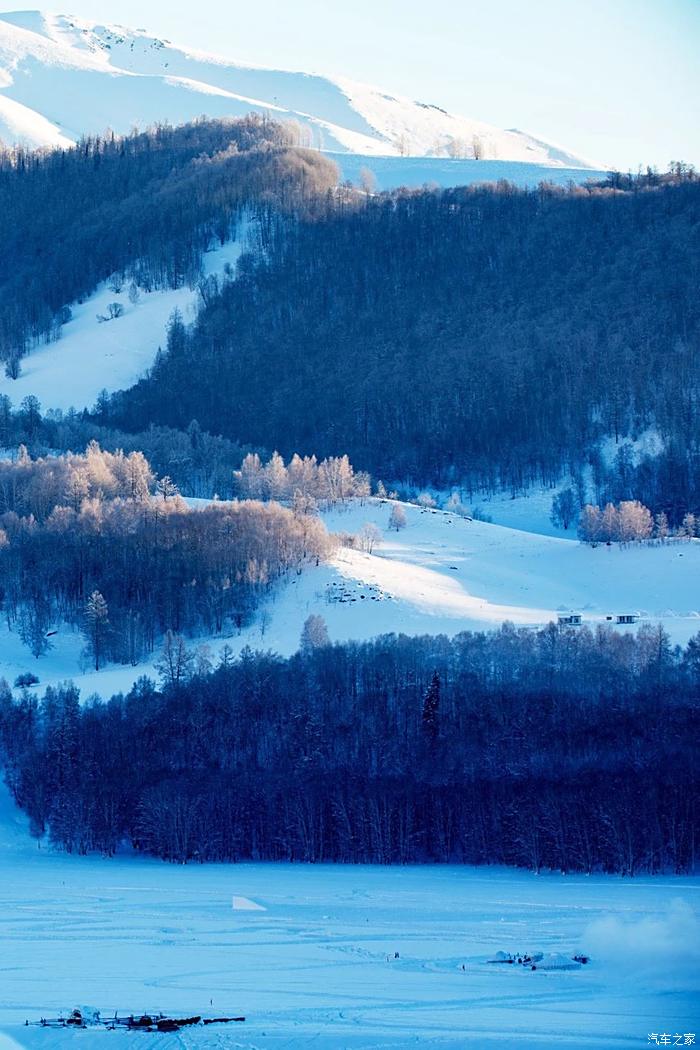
[566, 750]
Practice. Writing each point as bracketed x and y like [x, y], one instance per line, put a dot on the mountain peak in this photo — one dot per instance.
[62, 77]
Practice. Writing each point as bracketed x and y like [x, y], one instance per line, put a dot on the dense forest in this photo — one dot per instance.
[96, 541]
[572, 750]
[139, 209]
[487, 335]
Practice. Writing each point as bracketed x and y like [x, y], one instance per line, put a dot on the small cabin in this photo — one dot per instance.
[570, 620]
[627, 618]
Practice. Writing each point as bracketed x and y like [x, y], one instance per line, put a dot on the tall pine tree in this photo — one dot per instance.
[431, 709]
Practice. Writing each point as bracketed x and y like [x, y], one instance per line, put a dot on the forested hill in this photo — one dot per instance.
[543, 749]
[487, 333]
[144, 207]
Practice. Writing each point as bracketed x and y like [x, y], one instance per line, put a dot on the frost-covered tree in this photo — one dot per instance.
[275, 478]
[314, 634]
[609, 524]
[166, 487]
[689, 526]
[661, 528]
[397, 517]
[250, 477]
[454, 505]
[634, 522]
[589, 524]
[203, 662]
[628, 522]
[369, 536]
[368, 181]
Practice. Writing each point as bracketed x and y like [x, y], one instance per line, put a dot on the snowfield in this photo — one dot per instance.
[441, 574]
[92, 356]
[387, 173]
[61, 77]
[317, 967]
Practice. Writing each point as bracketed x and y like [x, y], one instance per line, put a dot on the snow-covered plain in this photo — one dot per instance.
[61, 77]
[92, 356]
[441, 574]
[387, 173]
[316, 968]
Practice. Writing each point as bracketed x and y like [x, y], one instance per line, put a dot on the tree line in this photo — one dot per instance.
[200, 464]
[574, 751]
[303, 481]
[630, 522]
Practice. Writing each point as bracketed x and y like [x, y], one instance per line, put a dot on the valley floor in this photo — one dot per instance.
[316, 967]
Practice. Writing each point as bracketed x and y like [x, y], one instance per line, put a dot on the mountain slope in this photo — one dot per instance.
[442, 574]
[464, 334]
[61, 77]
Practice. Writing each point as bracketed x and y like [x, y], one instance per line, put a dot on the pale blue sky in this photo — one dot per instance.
[615, 80]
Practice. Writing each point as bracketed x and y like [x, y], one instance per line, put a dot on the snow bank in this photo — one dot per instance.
[557, 961]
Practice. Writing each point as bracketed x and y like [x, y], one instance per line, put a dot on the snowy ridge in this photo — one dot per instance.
[61, 77]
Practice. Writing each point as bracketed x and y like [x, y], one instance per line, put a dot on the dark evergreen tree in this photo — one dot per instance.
[431, 709]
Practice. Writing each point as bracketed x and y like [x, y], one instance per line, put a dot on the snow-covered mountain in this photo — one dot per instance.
[61, 77]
